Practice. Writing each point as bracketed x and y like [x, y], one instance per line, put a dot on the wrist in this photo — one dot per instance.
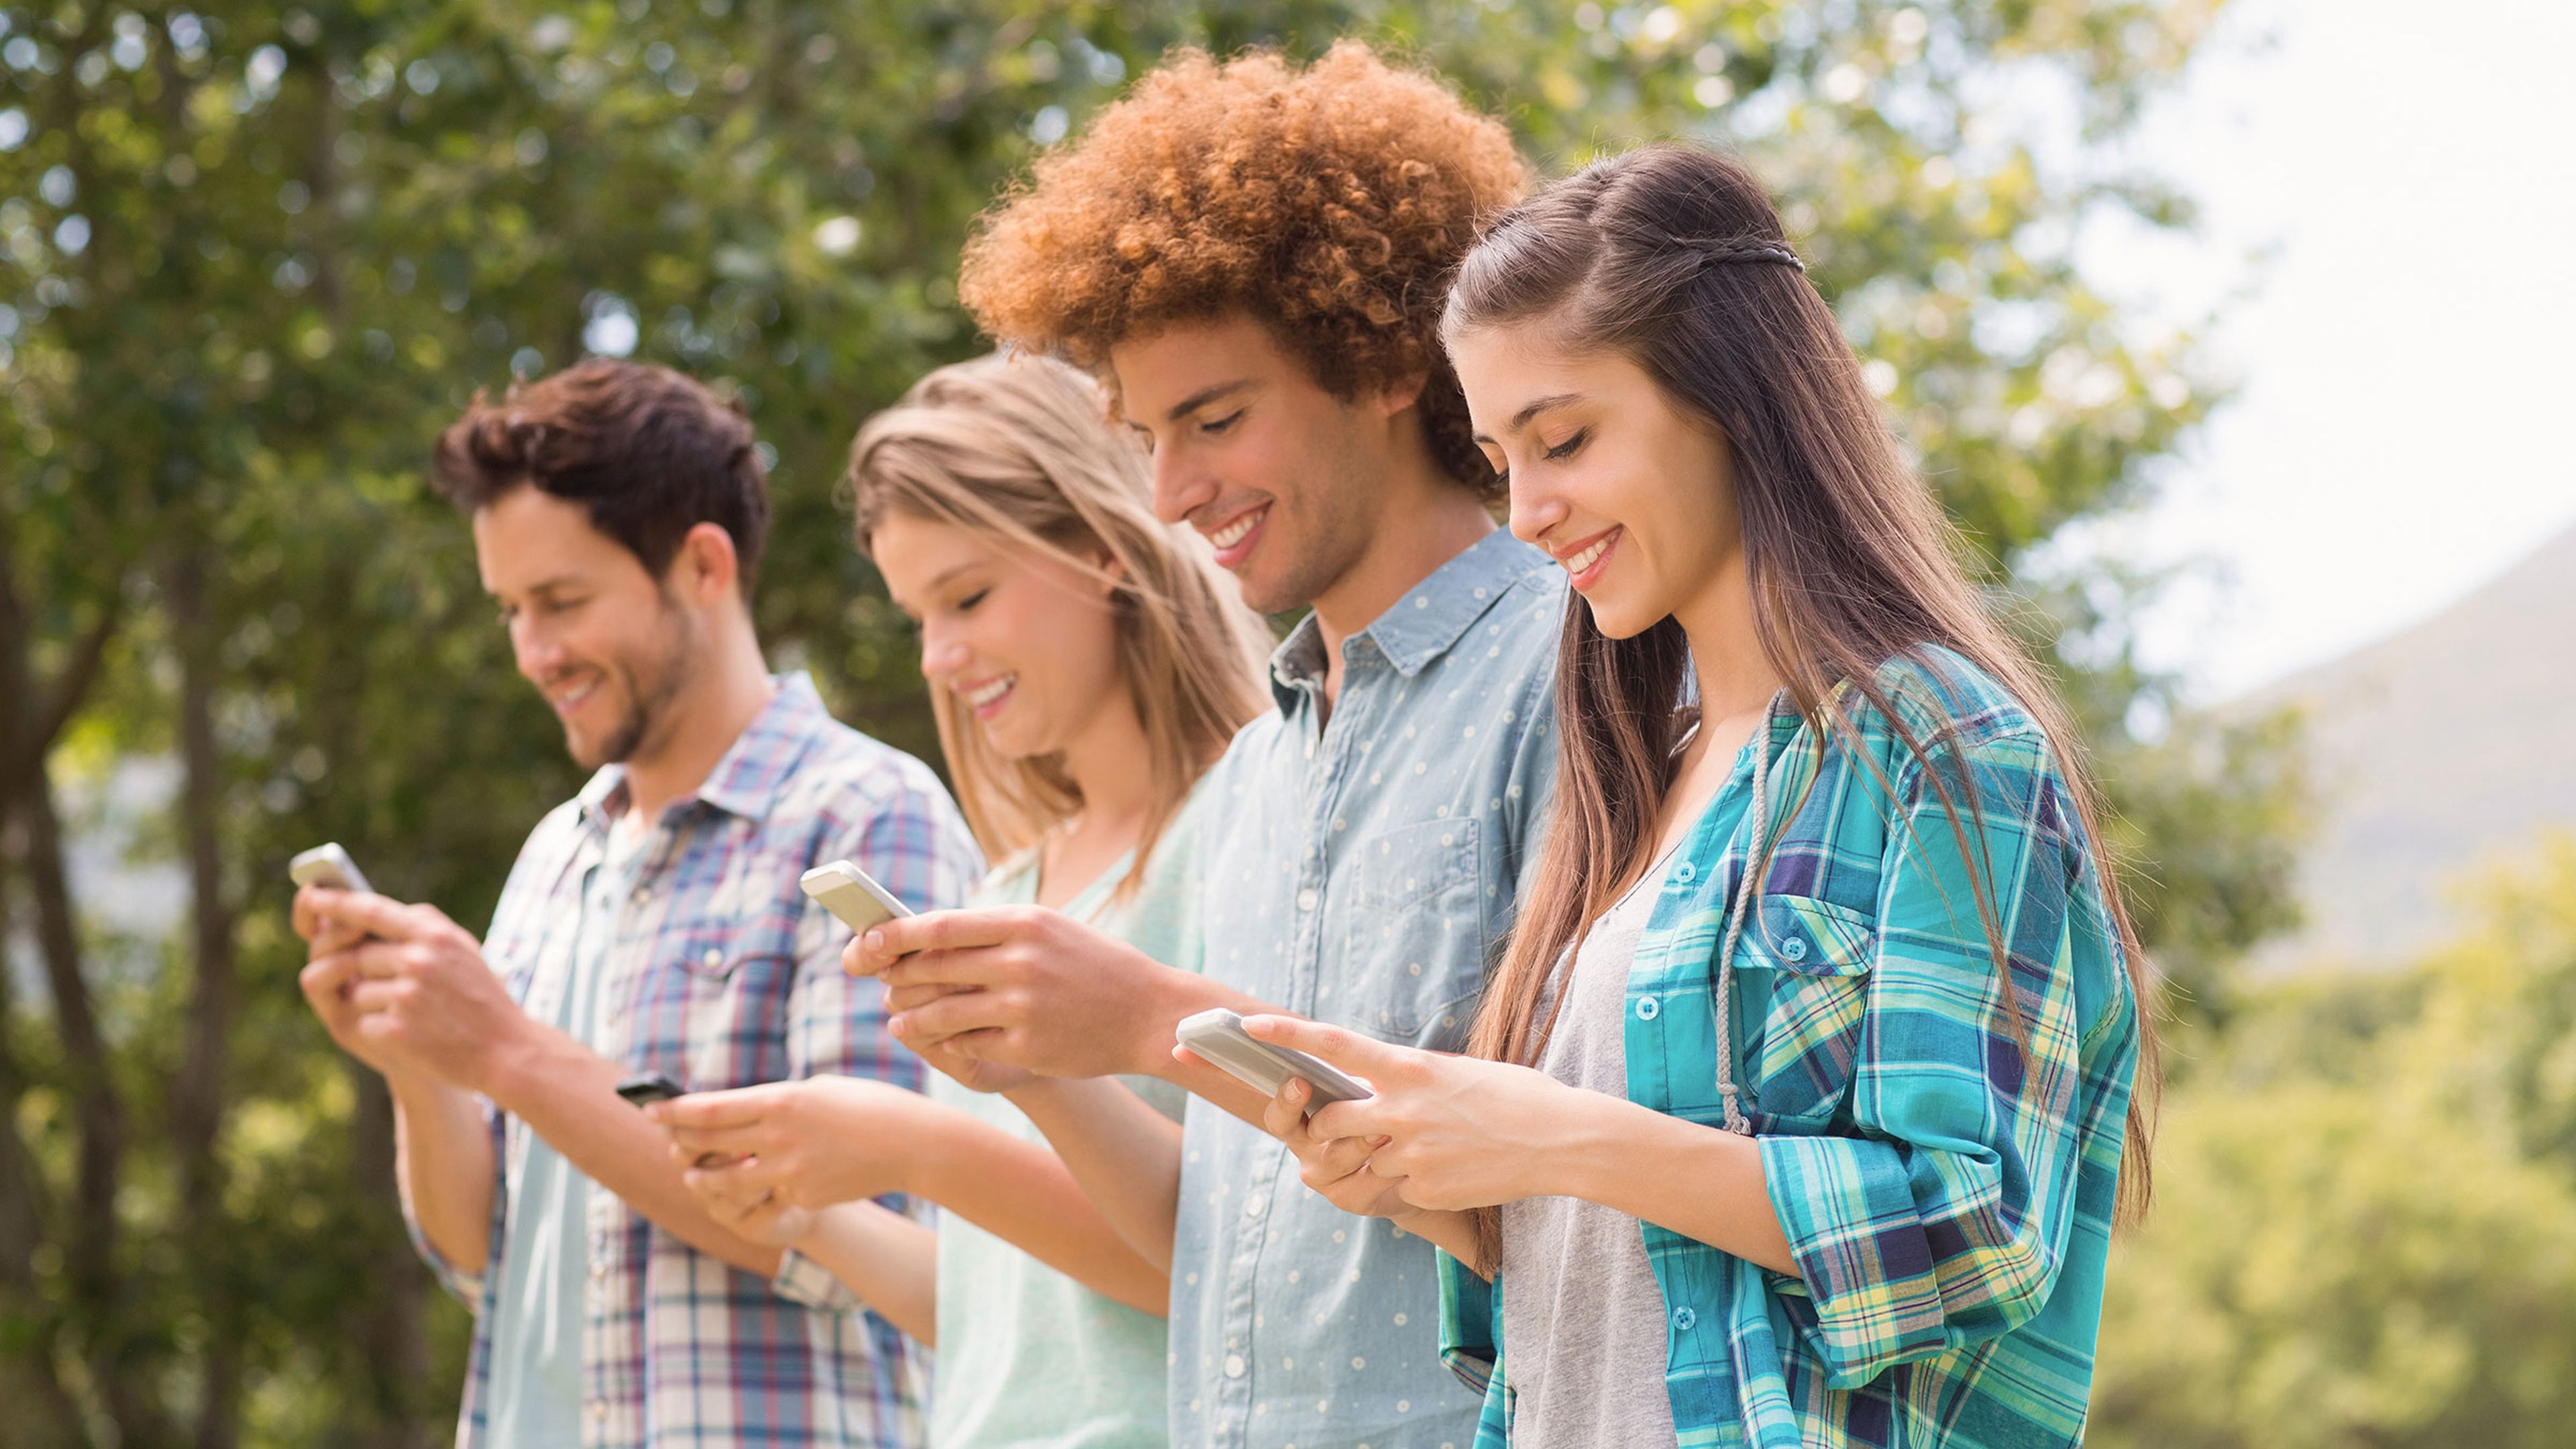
[1582, 1152]
[1168, 996]
[517, 1062]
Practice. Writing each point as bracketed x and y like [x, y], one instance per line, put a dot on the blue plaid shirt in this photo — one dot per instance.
[723, 974]
[1948, 1192]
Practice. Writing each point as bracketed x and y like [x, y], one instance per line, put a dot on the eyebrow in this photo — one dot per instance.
[556, 584]
[1204, 396]
[1522, 418]
[952, 571]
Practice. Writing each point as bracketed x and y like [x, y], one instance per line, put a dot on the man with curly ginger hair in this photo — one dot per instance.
[1253, 256]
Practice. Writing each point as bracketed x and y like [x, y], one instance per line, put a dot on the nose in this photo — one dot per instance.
[1179, 489]
[943, 654]
[1534, 512]
[538, 653]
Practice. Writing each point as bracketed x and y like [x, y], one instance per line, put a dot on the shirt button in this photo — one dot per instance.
[643, 894]
[1306, 899]
[599, 1271]
[1234, 1365]
[712, 959]
[1647, 1008]
[1684, 1319]
[1252, 1207]
[1685, 873]
[599, 1409]
[1795, 948]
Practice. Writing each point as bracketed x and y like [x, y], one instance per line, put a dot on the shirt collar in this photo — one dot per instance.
[746, 781]
[1423, 624]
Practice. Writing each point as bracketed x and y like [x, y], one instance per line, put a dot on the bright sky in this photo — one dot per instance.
[2407, 340]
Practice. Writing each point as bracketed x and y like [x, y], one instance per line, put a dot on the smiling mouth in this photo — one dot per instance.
[569, 699]
[1577, 563]
[989, 692]
[1235, 532]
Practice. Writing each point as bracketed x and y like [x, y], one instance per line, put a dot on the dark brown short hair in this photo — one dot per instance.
[1329, 202]
[647, 452]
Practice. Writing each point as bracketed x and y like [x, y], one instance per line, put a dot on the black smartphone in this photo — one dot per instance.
[649, 1088]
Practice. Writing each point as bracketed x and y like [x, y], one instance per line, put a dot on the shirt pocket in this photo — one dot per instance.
[1816, 957]
[1413, 935]
[711, 1003]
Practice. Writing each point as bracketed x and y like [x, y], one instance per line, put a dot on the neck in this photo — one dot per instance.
[1111, 764]
[1735, 676]
[731, 688]
[1433, 519]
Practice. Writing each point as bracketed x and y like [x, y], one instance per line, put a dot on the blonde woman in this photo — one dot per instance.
[1086, 665]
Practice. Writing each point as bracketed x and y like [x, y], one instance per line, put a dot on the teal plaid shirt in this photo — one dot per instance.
[1948, 1194]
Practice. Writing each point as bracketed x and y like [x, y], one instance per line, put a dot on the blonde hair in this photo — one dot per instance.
[1019, 449]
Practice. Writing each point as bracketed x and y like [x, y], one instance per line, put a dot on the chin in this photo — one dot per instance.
[1615, 622]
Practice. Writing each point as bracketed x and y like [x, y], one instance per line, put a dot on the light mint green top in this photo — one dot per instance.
[1028, 1356]
[542, 1302]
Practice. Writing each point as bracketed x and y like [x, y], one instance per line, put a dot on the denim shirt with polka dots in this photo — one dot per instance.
[1360, 870]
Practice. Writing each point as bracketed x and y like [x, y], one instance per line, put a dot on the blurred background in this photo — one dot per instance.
[2224, 330]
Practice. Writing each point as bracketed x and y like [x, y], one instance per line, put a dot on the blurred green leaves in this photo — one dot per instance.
[2366, 1227]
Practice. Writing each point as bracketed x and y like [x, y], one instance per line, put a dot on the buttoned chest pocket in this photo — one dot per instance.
[711, 1003]
[1413, 935]
[1809, 963]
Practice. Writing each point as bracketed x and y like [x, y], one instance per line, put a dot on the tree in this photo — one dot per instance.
[251, 258]
[2367, 1233]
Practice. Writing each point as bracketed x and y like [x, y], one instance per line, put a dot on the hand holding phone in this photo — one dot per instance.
[647, 1088]
[847, 892]
[329, 866]
[1218, 1035]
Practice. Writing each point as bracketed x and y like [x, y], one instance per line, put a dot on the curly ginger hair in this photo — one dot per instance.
[1331, 202]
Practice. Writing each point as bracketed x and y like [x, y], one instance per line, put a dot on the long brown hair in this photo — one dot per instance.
[1019, 449]
[1674, 258]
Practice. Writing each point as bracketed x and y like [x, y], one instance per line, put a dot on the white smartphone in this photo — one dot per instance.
[1218, 1035]
[327, 865]
[845, 891]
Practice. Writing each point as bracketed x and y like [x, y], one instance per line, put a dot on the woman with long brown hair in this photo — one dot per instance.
[1797, 1111]
[1087, 663]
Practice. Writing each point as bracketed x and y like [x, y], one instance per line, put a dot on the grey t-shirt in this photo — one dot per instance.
[1584, 1337]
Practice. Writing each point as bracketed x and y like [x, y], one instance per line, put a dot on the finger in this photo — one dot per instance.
[728, 1141]
[325, 978]
[882, 944]
[373, 996]
[954, 968]
[1332, 1161]
[905, 998]
[309, 909]
[1350, 1119]
[1363, 1055]
[369, 913]
[936, 1021]
[723, 1190]
[382, 960]
[709, 1111]
[1284, 1115]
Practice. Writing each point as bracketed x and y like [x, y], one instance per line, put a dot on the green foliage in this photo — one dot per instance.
[2366, 1233]
[252, 258]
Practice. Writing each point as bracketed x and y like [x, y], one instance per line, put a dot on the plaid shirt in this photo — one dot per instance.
[723, 974]
[1948, 1195]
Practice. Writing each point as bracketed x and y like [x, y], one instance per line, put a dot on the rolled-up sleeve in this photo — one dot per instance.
[468, 1287]
[1943, 1224]
[1471, 1330]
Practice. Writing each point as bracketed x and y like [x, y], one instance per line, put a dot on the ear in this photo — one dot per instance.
[1402, 393]
[1112, 571]
[706, 568]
